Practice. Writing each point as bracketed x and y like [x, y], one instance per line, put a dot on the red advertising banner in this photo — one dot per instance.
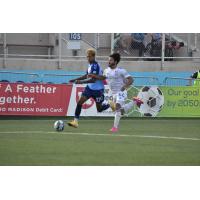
[34, 99]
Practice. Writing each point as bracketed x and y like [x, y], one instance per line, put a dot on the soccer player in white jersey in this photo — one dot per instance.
[119, 81]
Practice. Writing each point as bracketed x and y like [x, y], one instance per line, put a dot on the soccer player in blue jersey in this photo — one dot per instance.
[94, 88]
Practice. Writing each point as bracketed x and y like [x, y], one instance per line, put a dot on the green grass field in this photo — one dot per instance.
[139, 142]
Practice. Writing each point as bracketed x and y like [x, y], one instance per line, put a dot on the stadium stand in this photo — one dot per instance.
[40, 51]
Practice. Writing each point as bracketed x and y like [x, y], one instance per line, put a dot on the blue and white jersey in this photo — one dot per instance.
[94, 68]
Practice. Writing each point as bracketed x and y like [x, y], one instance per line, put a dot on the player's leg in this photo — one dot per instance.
[119, 100]
[128, 106]
[84, 97]
[74, 123]
[98, 96]
[112, 105]
[80, 103]
[118, 115]
[122, 108]
[101, 107]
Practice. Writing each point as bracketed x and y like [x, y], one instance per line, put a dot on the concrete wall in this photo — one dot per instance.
[26, 38]
[30, 43]
[80, 65]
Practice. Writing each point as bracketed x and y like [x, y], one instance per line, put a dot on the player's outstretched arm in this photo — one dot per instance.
[91, 78]
[80, 78]
[97, 77]
[87, 80]
[128, 83]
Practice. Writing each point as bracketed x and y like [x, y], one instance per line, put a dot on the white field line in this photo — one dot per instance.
[106, 134]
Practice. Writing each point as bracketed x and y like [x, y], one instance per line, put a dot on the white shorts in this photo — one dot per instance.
[120, 97]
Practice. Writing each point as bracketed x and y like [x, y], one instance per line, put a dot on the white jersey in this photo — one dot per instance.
[116, 78]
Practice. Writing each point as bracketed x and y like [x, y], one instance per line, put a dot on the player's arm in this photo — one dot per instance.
[128, 79]
[87, 80]
[77, 79]
[97, 77]
[128, 82]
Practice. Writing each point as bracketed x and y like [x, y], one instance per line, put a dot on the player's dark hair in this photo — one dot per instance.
[181, 44]
[173, 43]
[116, 57]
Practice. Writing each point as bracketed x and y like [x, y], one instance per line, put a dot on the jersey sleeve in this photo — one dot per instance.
[124, 73]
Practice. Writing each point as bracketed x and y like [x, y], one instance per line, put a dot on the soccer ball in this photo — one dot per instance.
[153, 99]
[59, 125]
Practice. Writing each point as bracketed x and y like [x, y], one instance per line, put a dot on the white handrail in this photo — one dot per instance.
[177, 78]
[123, 58]
[27, 73]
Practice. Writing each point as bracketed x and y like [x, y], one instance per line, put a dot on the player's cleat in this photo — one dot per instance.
[114, 129]
[73, 123]
[138, 101]
[112, 105]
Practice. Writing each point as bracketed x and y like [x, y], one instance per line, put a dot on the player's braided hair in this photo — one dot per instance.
[116, 57]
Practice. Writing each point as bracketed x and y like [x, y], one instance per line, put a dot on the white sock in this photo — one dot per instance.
[127, 107]
[117, 119]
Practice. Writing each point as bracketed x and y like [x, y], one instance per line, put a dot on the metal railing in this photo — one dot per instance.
[178, 81]
[8, 76]
[19, 77]
[59, 78]
[62, 78]
[145, 80]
